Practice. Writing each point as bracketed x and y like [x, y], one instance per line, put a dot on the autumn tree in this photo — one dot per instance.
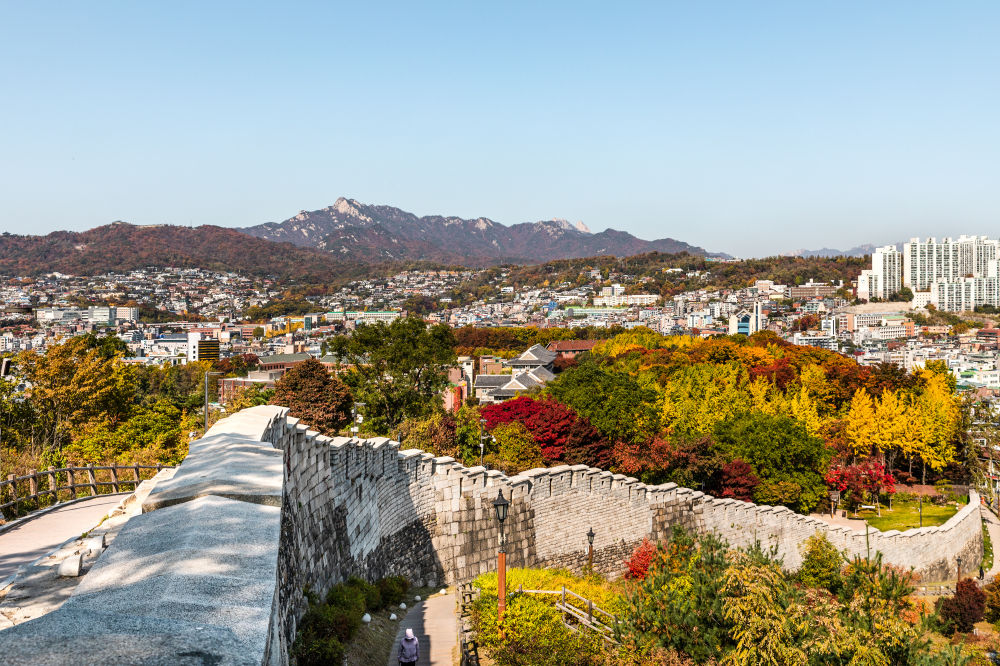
[737, 480]
[78, 382]
[312, 394]
[553, 425]
[512, 449]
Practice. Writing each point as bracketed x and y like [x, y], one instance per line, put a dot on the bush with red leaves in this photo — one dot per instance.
[961, 612]
[738, 481]
[637, 565]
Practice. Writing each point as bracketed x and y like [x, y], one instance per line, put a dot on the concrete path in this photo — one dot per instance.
[993, 526]
[32, 539]
[434, 623]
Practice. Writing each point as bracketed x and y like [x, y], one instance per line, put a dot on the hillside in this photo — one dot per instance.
[384, 233]
[123, 247]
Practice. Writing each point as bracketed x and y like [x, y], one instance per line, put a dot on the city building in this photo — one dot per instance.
[885, 277]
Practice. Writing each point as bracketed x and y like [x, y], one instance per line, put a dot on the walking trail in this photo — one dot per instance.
[34, 538]
[993, 526]
[434, 623]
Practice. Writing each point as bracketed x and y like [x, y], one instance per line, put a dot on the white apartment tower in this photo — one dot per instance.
[947, 259]
[885, 277]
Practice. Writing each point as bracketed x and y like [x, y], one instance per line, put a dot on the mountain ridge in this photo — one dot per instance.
[392, 234]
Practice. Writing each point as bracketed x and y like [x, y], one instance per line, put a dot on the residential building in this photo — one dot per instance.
[885, 277]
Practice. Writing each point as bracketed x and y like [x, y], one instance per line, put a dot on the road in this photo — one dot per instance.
[34, 538]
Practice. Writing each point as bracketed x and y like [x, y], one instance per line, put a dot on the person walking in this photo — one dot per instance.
[409, 649]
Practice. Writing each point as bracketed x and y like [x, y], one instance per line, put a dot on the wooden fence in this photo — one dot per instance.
[466, 638]
[580, 613]
[39, 489]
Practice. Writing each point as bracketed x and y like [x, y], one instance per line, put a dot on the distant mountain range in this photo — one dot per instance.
[859, 251]
[347, 239]
[363, 232]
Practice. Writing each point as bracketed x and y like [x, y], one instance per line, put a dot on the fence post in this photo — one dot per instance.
[135, 468]
[114, 478]
[590, 611]
[13, 490]
[93, 480]
[71, 481]
[53, 485]
[33, 483]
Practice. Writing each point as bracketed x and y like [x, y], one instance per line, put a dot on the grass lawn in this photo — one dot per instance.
[905, 516]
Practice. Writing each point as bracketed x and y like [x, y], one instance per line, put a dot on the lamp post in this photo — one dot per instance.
[356, 418]
[590, 549]
[206, 396]
[501, 505]
[482, 440]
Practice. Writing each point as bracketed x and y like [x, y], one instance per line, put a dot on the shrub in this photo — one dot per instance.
[961, 612]
[370, 593]
[992, 602]
[326, 627]
[535, 634]
[317, 651]
[822, 564]
[393, 590]
[637, 565]
[604, 594]
[678, 604]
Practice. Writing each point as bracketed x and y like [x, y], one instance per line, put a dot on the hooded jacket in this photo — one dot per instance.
[409, 649]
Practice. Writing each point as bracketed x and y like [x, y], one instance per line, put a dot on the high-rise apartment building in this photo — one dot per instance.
[948, 259]
[885, 277]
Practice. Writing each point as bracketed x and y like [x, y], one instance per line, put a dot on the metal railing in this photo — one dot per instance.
[39, 489]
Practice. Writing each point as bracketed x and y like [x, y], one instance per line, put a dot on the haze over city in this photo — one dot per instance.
[748, 129]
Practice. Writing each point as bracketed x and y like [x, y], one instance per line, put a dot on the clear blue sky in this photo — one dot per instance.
[748, 127]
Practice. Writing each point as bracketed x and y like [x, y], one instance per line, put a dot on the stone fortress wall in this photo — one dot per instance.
[363, 507]
[262, 508]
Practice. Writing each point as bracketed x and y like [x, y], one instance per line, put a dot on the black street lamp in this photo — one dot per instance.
[356, 418]
[590, 549]
[959, 558]
[501, 506]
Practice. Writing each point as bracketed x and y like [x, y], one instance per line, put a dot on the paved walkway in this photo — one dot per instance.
[993, 526]
[32, 539]
[434, 623]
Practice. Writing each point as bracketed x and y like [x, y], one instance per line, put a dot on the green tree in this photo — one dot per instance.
[781, 451]
[398, 370]
[821, 564]
[614, 402]
[679, 602]
[312, 394]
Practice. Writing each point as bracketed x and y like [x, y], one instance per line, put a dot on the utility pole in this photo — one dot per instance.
[207, 374]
